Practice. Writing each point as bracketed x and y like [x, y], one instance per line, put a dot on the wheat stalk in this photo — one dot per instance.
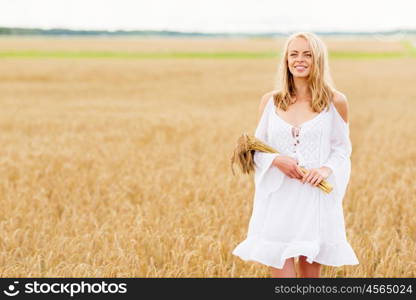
[243, 155]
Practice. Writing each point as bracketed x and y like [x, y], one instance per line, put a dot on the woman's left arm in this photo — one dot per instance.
[339, 161]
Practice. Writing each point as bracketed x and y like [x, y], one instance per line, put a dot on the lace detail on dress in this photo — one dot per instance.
[301, 142]
[280, 138]
[310, 143]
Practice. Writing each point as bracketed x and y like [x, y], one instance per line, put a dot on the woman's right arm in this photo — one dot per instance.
[288, 165]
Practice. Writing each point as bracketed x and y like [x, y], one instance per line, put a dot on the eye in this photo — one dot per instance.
[309, 55]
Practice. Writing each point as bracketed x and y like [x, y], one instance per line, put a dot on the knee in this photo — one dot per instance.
[288, 270]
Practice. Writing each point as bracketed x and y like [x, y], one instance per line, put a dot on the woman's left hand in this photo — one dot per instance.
[315, 176]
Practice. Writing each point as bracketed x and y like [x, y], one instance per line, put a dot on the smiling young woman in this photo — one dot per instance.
[306, 120]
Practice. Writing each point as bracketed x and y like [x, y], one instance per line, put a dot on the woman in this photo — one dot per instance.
[306, 120]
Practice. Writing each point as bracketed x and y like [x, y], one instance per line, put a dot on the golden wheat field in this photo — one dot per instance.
[120, 167]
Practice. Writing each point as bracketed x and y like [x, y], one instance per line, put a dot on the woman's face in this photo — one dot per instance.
[299, 58]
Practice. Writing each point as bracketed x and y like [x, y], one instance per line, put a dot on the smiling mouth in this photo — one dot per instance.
[299, 68]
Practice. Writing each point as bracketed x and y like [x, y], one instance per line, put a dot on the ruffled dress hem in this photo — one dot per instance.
[274, 254]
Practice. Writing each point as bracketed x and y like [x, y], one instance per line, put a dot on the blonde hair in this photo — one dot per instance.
[320, 81]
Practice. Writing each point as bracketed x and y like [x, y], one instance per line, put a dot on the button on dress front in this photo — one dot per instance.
[290, 218]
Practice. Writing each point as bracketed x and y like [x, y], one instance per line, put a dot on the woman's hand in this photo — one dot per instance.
[315, 176]
[289, 166]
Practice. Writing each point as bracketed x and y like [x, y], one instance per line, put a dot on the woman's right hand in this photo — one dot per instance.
[289, 166]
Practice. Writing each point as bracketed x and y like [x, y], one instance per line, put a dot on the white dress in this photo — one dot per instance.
[290, 218]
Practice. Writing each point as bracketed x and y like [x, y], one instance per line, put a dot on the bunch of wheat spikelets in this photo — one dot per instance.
[243, 155]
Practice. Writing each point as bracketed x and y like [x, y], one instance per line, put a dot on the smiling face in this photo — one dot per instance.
[299, 57]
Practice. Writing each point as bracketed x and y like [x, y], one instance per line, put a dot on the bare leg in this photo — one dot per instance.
[308, 270]
[288, 270]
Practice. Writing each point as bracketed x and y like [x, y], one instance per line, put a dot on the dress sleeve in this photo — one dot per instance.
[339, 157]
[267, 178]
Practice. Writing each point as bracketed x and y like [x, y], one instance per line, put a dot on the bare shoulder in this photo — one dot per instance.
[341, 104]
[263, 102]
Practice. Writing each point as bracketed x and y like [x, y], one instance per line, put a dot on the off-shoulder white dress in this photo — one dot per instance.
[290, 218]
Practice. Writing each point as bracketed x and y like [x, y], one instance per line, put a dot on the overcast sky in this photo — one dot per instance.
[211, 15]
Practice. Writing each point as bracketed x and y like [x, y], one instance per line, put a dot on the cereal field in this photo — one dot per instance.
[115, 155]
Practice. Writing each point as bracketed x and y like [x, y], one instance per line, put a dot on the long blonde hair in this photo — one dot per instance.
[320, 81]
